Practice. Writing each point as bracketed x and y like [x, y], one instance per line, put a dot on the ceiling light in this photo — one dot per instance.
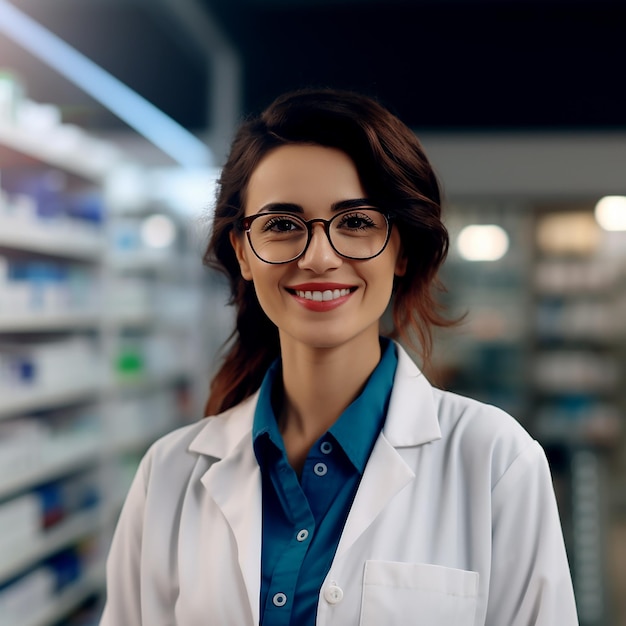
[486, 242]
[610, 212]
[158, 231]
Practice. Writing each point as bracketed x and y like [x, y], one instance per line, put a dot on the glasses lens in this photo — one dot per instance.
[360, 233]
[278, 238]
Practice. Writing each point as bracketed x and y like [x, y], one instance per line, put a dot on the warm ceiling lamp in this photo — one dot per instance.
[484, 242]
[610, 212]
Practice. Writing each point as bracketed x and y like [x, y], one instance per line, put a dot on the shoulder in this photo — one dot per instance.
[171, 451]
[483, 435]
[213, 437]
[417, 407]
[473, 418]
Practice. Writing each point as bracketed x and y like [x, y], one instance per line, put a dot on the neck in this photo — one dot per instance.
[319, 384]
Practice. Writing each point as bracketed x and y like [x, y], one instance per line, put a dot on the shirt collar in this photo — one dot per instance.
[356, 429]
[359, 425]
[265, 426]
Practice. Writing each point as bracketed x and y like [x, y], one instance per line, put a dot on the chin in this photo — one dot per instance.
[325, 338]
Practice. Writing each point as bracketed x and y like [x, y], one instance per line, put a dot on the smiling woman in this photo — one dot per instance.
[331, 484]
[382, 164]
[354, 251]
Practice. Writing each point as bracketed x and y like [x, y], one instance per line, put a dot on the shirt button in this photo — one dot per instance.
[326, 447]
[302, 535]
[333, 594]
[279, 599]
[320, 469]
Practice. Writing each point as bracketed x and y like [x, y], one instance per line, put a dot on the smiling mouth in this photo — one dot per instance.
[323, 296]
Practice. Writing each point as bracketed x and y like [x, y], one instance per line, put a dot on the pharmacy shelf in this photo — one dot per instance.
[46, 150]
[69, 599]
[577, 394]
[140, 319]
[146, 382]
[36, 239]
[105, 268]
[138, 442]
[568, 278]
[156, 263]
[47, 322]
[153, 322]
[62, 535]
[144, 262]
[13, 404]
[74, 457]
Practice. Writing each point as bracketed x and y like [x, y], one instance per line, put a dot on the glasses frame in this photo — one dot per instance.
[245, 224]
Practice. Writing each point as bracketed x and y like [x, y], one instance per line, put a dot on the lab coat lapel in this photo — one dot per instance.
[385, 475]
[411, 422]
[234, 483]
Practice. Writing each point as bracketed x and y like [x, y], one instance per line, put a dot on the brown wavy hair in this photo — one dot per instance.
[396, 176]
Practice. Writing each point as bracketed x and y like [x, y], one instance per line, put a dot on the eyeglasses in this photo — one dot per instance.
[358, 234]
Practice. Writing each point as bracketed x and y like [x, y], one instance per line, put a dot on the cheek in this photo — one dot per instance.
[395, 262]
[266, 280]
[380, 282]
[386, 280]
[389, 282]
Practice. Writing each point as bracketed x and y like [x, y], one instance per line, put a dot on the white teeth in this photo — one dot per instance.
[325, 296]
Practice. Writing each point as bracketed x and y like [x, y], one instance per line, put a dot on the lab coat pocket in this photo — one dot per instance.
[417, 593]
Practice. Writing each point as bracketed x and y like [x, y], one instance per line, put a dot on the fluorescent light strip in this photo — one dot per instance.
[149, 121]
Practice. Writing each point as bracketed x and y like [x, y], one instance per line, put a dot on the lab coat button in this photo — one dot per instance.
[279, 599]
[333, 594]
[302, 534]
[320, 469]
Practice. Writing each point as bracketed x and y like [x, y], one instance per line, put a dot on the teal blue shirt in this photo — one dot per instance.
[303, 519]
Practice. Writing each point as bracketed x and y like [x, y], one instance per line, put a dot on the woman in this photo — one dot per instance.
[333, 484]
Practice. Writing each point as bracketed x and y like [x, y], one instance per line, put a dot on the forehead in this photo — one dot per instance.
[311, 176]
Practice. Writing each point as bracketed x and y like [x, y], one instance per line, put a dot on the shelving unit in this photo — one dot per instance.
[57, 463]
[34, 315]
[139, 376]
[68, 599]
[48, 322]
[485, 355]
[544, 339]
[64, 534]
[14, 404]
[18, 235]
[59, 148]
[576, 383]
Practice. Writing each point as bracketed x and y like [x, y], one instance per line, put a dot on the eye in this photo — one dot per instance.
[358, 220]
[281, 224]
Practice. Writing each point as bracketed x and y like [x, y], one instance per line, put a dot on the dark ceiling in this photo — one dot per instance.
[441, 65]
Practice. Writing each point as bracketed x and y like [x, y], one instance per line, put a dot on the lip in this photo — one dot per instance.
[319, 304]
[319, 286]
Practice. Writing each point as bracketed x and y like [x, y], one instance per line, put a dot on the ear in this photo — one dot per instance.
[239, 246]
[401, 264]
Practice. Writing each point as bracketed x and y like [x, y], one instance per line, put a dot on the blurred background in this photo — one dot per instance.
[115, 116]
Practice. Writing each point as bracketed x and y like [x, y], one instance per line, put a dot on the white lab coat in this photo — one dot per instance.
[454, 522]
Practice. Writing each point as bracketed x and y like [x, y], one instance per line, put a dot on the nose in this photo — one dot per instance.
[319, 256]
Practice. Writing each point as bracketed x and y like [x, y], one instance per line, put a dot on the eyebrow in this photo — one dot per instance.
[290, 207]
